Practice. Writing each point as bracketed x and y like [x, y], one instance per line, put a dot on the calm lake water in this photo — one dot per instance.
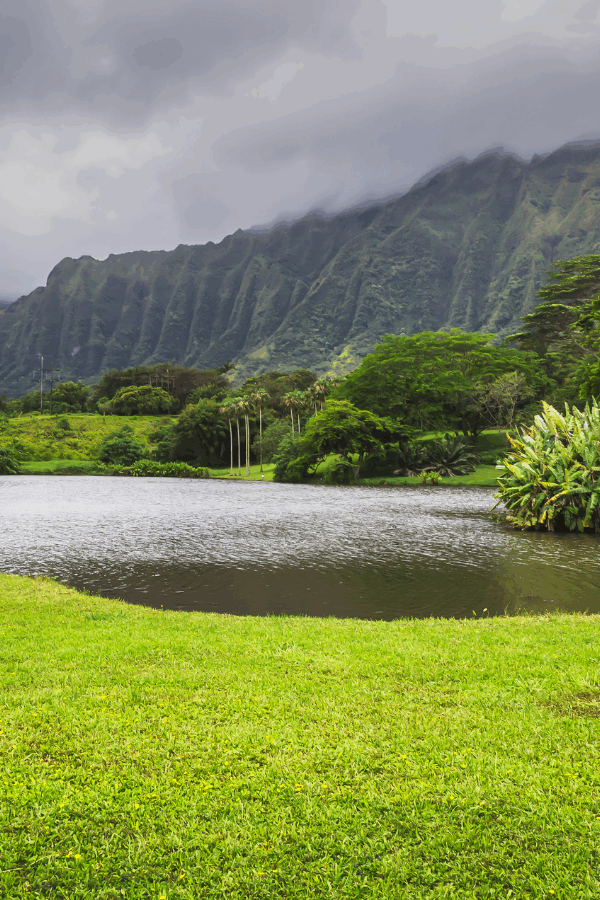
[259, 549]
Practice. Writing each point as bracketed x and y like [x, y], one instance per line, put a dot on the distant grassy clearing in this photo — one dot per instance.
[183, 755]
[42, 439]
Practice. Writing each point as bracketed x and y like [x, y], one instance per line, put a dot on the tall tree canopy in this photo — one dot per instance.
[179, 381]
[567, 307]
[565, 328]
[434, 379]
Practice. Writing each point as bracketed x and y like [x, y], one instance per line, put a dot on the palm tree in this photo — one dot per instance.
[238, 407]
[228, 409]
[289, 400]
[312, 396]
[259, 396]
[321, 389]
[245, 407]
[301, 403]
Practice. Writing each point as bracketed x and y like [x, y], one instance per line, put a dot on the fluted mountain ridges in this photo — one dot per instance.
[469, 248]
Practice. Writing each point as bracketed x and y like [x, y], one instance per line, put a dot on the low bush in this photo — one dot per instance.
[447, 456]
[148, 468]
[342, 472]
[120, 449]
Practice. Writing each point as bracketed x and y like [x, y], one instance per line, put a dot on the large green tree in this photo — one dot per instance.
[70, 396]
[142, 400]
[343, 429]
[434, 379]
[201, 435]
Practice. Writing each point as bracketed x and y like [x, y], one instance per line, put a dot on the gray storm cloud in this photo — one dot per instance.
[129, 125]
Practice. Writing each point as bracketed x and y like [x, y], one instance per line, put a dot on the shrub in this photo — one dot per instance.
[120, 449]
[148, 468]
[448, 456]
[290, 464]
[342, 472]
[552, 476]
[8, 464]
[451, 455]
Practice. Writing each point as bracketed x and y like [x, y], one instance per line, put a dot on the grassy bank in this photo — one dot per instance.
[148, 754]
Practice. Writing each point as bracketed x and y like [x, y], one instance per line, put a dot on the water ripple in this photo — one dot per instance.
[266, 548]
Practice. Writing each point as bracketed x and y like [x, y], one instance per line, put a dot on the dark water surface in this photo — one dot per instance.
[258, 549]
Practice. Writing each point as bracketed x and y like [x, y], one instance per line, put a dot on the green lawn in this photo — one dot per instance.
[58, 467]
[484, 476]
[149, 754]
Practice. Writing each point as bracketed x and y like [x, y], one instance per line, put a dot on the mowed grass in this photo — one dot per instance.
[149, 754]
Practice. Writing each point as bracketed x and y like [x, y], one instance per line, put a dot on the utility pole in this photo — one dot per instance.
[52, 375]
[41, 384]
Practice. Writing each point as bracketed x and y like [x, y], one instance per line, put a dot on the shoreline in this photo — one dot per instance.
[483, 476]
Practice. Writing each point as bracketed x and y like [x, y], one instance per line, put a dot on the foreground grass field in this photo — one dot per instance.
[148, 754]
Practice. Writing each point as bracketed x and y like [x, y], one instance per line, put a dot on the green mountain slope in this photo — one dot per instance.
[469, 248]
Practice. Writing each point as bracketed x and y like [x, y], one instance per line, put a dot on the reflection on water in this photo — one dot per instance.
[259, 549]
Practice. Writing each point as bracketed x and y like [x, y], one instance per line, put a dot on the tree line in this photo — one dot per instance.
[452, 381]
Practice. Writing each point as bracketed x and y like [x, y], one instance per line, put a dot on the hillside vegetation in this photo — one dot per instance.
[469, 248]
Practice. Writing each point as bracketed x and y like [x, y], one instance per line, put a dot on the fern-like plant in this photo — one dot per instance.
[551, 478]
[447, 456]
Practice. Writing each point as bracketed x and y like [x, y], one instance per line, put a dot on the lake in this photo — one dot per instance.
[252, 548]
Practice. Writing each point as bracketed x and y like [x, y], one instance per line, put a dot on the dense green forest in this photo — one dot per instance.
[467, 249]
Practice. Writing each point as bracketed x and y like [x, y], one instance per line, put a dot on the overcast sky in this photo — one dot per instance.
[131, 124]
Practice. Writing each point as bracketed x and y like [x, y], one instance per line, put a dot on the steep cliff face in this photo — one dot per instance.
[468, 248]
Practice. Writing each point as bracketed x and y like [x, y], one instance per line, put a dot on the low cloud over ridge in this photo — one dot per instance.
[130, 126]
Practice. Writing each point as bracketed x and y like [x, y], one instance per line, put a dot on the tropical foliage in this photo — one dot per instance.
[448, 456]
[182, 383]
[339, 428]
[551, 479]
[271, 439]
[436, 379]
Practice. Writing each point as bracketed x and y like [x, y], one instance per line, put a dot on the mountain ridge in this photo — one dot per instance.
[467, 248]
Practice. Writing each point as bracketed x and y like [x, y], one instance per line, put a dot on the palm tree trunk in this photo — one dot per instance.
[247, 444]
[298, 421]
[260, 427]
[231, 445]
[237, 419]
[292, 418]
